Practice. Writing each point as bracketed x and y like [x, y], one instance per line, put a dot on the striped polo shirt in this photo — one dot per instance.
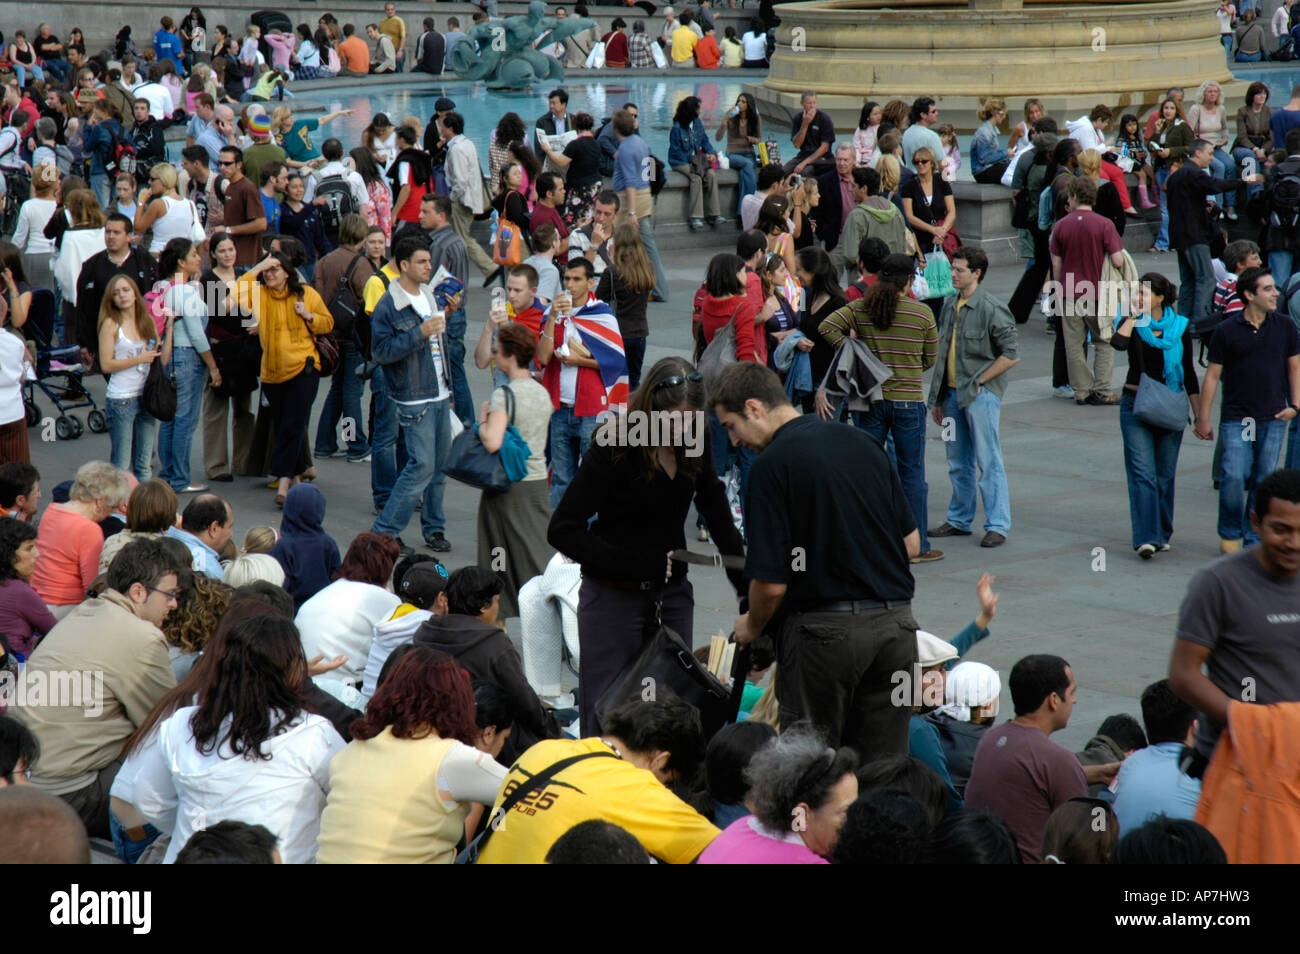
[908, 347]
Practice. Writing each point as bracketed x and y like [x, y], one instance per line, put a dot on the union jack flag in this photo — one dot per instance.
[598, 329]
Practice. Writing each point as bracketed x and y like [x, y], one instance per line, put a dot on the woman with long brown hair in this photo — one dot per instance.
[128, 345]
[626, 285]
[83, 238]
[639, 493]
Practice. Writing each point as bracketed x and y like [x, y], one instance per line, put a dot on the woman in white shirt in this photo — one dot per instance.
[340, 620]
[162, 209]
[1208, 118]
[128, 345]
[247, 752]
[755, 44]
[13, 413]
[401, 790]
[29, 233]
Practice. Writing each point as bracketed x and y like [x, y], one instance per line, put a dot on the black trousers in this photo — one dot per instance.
[993, 174]
[838, 671]
[290, 405]
[1031, 282]
[612, 626]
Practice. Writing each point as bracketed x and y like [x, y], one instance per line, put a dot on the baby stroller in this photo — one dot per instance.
[58, 374]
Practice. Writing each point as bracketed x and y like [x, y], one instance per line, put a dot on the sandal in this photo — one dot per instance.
[308, 475]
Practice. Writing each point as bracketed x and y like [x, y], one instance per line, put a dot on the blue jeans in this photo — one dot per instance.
[975, 445]
[128, 850]
[1279, 263]
[566, 428]
[1245, 463]
[426, 429]
[1162, 237]
[100, 185]
[727, 455]
[21, 72]
[343, 402]
[131, 435]
[1241, 156]
[746, 171]
[1249, 57]
[904, 421]
[175, 436]
[1150, 460]
[646, 227]
[1222, 166]
[1227, 44]
[454, 339]
[387, 450]
[1195, 281]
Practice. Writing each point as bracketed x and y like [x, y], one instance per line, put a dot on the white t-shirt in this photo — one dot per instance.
[548, 277]
[386, 150]
[127, 383]
[1225, 18]
[423, 305]
[359, 193]
[160, 99]
[755, 46]
[13, 354]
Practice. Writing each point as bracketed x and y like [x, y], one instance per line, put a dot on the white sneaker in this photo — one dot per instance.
[1064, 391]
[1231, 214]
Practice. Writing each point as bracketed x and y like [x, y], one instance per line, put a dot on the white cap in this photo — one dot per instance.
[932, 651]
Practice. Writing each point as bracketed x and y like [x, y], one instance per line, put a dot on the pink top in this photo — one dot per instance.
[747, 842]
[282, 45]
[69, 546]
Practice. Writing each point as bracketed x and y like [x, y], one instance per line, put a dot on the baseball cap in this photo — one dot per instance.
[423, 582]
[443, 105]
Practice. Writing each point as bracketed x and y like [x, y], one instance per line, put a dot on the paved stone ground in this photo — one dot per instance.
[1110, 614]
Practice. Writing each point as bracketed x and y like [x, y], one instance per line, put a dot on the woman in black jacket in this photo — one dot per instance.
[640, 492]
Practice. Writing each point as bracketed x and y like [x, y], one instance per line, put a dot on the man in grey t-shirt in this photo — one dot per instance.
[1241, 619]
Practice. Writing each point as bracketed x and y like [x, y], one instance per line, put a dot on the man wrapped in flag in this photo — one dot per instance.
[585, 373]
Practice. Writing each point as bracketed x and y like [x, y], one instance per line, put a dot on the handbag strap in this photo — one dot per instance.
[510, 403]
[538, 781]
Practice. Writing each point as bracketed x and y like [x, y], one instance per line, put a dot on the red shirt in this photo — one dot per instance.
[1083, 240]
[707, 53]
[741, 313]
[615, 49]
[544, 213]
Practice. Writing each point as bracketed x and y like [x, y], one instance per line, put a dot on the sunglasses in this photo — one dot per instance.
[677, 380]
[921, 162]
[225, 162]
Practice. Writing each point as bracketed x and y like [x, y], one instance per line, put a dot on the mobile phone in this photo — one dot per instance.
[796, 181]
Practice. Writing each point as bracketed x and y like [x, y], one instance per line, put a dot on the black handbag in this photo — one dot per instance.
[471, 463]
[240, 362]
[159, 397]
[666, 666]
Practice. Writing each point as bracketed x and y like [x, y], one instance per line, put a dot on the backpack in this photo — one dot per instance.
[339, 201]
[121, 156]
[1284, 201]
[343, 304]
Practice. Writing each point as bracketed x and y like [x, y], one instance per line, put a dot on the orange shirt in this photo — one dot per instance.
[354, 54]
[707, 54]
[69, 547]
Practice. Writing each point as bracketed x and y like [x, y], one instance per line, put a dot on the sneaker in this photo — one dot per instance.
[194, 489]
[1064, 391]
[696, 224]
[703, 535]
[1164, 547]
[718, 220]
[1147, 551]
[437, 543]
[1232, 215]
[929, 556]
[364, 459]
[1049, 327]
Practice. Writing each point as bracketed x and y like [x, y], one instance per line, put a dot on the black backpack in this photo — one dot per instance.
[344, 306]
[339, 201]
[1284, 201]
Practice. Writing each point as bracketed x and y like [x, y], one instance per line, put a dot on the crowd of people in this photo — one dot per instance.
[291, 699]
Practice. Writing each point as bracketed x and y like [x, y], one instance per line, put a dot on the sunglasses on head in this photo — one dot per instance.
[677, 380]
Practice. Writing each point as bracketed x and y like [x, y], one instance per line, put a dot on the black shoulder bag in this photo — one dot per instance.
[470, 854]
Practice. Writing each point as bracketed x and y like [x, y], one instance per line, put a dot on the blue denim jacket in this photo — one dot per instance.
[397, 343]
[984, 148]
[684, 143]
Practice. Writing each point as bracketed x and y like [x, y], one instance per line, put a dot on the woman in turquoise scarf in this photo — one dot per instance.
[1159, 344]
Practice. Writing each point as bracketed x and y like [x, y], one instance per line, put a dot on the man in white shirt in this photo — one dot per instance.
[771, 181]
[418, 379]
[160, 100]
[465, 179]
[594, 241]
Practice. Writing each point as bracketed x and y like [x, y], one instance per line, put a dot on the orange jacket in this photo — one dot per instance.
[1250, 796]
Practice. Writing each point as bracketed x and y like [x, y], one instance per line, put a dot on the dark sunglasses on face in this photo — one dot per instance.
[677, 380]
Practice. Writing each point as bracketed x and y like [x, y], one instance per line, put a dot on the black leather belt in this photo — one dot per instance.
[851, 606]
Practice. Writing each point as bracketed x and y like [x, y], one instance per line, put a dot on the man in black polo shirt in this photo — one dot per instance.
[1257, 353]
[830, 537]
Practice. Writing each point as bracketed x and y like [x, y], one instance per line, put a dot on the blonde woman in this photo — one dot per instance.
[988, 160]
[1108, 202]
[928, 203]
[162, 209]
[29, 233]
[128, 345]
[1208, 119]
[629, 280]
